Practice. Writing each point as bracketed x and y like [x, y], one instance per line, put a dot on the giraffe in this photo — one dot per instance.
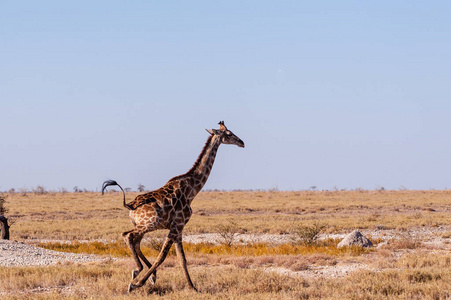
[169, 207]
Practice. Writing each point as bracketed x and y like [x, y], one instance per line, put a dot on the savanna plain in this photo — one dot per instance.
[242, 245]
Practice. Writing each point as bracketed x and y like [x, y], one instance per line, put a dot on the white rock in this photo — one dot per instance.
[355, 238]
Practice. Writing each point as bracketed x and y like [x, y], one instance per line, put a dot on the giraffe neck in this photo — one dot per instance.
[204, 163]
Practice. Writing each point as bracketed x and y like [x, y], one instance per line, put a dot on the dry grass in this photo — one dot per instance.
[405, 268]
[92, 216]
[413, 277]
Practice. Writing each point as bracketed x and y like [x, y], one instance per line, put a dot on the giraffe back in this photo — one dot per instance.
[165, 207]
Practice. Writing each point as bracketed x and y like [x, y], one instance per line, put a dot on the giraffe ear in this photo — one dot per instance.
[213, 131]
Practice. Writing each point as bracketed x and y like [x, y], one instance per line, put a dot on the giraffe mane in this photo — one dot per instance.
[198, 160]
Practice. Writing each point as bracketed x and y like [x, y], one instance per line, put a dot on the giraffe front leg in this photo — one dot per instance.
[182, 260]
[141, 279]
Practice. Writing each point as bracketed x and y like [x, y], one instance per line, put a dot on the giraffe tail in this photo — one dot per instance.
[113, 182]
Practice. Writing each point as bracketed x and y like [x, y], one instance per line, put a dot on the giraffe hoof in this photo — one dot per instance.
[132, 287]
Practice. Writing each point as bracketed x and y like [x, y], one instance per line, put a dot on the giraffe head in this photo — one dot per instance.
[227, 137]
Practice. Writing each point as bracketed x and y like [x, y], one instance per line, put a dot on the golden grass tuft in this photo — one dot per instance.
[119, 249]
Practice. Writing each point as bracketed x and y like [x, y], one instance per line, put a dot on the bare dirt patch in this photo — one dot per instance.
[14, 254]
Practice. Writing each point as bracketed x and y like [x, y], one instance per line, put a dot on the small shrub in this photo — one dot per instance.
[405, 240]
[228, 232]
[307, 235]
[155, 243]
[403, 244]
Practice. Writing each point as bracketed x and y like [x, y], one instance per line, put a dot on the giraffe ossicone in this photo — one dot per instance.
[169, 207]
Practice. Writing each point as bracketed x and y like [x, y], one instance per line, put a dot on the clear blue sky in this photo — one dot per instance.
[346, 94]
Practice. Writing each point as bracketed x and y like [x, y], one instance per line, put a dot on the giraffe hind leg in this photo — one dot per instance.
[142, 278]
[153, 277]
[132, 238]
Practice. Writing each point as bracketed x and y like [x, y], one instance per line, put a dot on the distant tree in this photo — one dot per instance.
[40, 190]
[141, 188]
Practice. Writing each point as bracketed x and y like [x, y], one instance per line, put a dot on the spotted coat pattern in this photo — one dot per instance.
[169, 207]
